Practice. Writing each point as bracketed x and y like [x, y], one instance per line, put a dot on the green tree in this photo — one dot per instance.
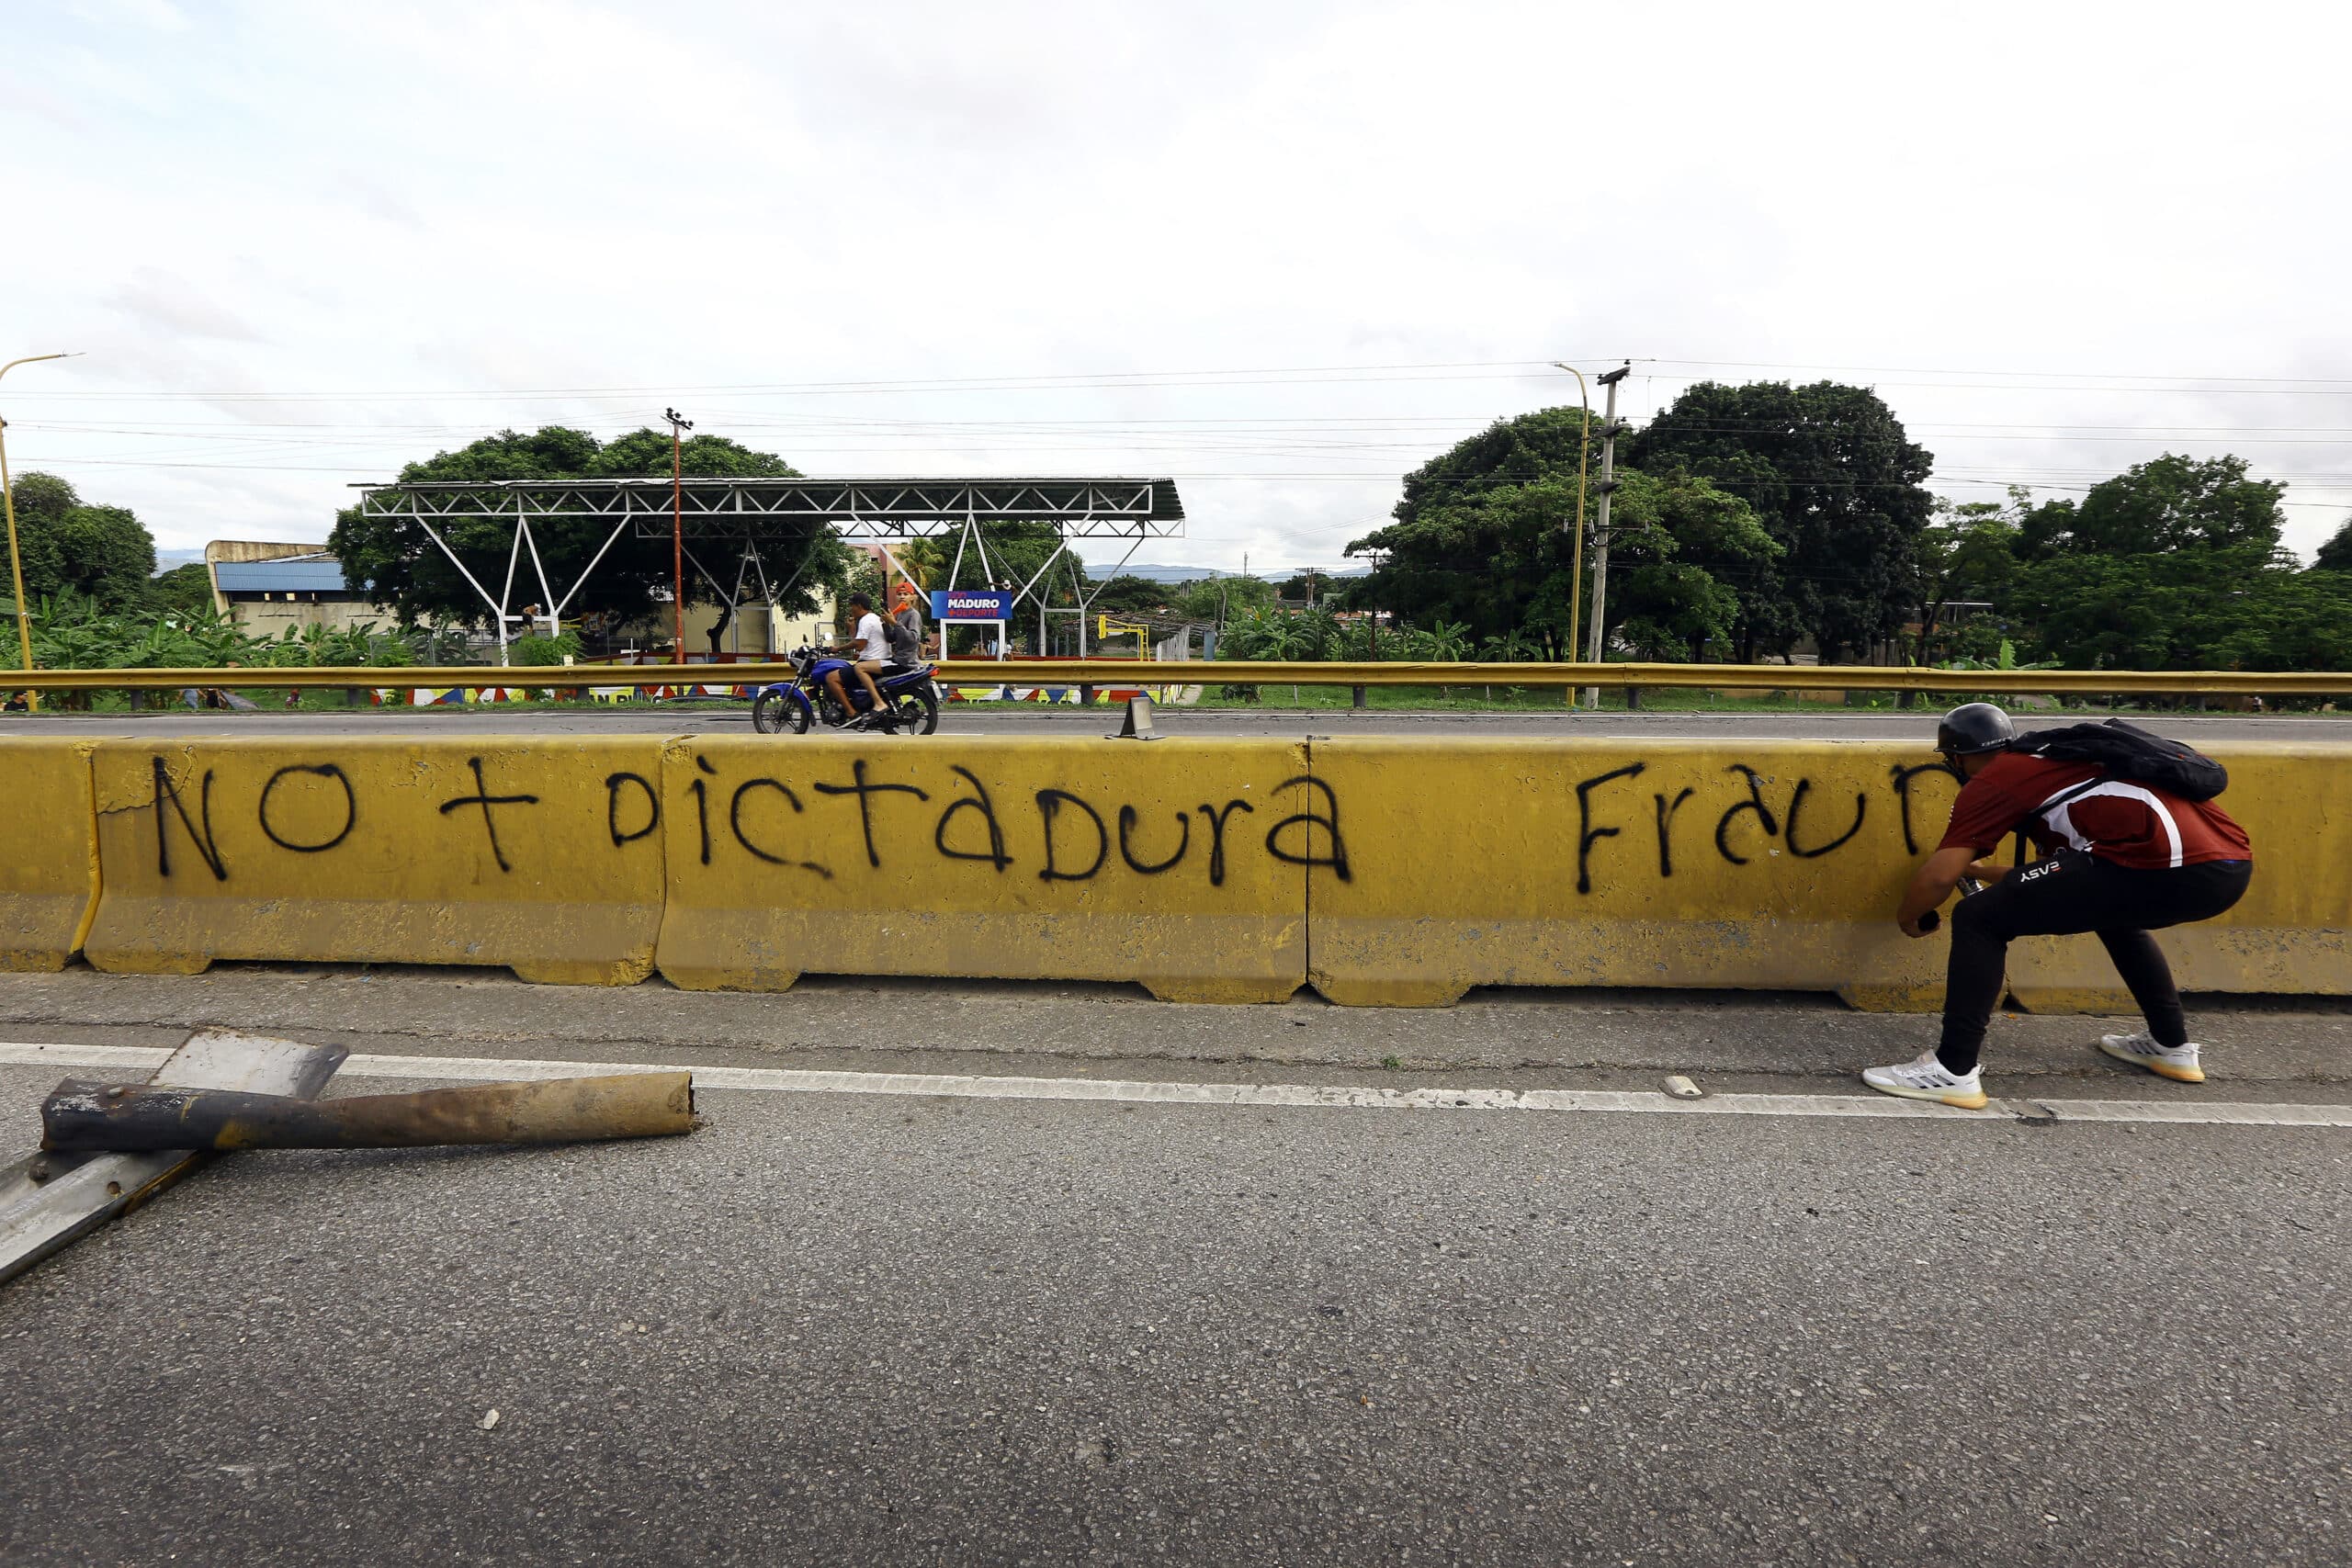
[1478, 534]
[2170, 503]
[1967, 557]
[1679, 545]
[66, 546]
[1125, 595]
[1220, 599]
[2164, 567]
[2299, 620]
[405, 572]
[2336, 555]
[185, 590]
[1835, 482]
[1479, 539]
[1488, 556]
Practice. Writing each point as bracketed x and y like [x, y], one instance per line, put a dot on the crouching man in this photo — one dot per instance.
[2119, 860]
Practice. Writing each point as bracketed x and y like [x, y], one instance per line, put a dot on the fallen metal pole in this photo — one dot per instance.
[52, 1200]
[83, 1115]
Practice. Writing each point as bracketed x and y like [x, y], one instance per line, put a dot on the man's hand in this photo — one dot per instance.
[1930, 885]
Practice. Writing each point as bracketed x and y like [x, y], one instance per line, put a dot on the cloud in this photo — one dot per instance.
[155, 299]
[374, 232]
[158, 15]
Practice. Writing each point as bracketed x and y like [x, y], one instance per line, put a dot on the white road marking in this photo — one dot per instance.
[965, 1086]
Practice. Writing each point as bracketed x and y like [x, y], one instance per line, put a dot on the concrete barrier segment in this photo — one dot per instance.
[49, 867]
[542, 854]
[1771, 865]
[1178, 864]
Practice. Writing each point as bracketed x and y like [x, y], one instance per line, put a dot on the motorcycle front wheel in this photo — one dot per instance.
[776, 712]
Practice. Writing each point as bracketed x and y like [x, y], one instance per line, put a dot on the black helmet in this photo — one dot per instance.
[1972, 728]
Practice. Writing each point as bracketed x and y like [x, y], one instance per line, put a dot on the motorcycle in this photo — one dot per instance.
[910, 698]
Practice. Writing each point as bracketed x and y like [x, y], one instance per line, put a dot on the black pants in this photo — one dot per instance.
[2069, 893]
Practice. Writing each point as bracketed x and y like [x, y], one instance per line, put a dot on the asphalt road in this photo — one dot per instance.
[1041, 720]
[849, 1327]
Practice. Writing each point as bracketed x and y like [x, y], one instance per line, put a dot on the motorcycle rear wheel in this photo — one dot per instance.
[919, 711]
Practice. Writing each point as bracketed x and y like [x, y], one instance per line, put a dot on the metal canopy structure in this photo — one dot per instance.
[744, 513]
[857, 509]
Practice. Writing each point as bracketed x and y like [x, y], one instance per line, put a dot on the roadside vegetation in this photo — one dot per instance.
[1752, 524]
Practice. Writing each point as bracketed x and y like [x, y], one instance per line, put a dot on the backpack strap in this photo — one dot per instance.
[2062, 797]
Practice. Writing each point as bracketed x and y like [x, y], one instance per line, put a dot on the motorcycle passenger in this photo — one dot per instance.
[906, 628]
[871, 647]
[2119, 860]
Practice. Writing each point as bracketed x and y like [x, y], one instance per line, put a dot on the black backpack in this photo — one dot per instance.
[2130, 753]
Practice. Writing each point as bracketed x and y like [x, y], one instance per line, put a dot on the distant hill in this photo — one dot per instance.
[166, 559]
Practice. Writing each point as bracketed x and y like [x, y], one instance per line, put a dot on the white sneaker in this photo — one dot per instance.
[1928, 1079]
[2177, 1063]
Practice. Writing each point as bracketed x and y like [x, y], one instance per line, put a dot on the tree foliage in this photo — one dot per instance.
[2174, 564]
[2336, 555]
[402, 568]
[1478, 535]
[1838, 484]
[1967, 565]
[1483, 539]
[103, 553]
[1678, 546]
[2167, 505]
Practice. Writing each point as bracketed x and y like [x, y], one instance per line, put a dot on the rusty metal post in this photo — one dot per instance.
[127, 1117]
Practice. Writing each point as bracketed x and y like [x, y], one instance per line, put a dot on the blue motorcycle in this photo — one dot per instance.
[910, 697]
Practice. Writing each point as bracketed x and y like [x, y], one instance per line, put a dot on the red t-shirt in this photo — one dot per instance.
[2128, 824]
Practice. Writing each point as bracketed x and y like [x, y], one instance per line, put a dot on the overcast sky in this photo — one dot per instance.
[1282, 250]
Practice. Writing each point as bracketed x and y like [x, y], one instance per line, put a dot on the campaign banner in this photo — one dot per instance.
[970, 604]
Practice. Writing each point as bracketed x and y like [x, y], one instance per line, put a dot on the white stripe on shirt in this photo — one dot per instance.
[2062, 821]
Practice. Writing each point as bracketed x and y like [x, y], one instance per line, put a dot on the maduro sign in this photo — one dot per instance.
[970, 604]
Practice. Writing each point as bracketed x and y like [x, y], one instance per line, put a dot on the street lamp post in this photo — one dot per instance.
[679, 425]
[16, 559]
[1575, 572]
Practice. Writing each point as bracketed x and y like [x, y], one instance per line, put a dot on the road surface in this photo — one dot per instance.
[992, 1323]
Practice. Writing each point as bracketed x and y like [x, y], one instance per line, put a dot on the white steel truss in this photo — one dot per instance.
[734, 510]
[856, 509]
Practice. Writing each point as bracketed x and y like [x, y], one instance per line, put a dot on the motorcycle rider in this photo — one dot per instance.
[871, 647]
[2119, 860]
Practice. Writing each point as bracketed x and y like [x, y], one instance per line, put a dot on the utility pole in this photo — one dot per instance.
[1575, 546]
[1609, 429]
[679, 425]
[16, 562]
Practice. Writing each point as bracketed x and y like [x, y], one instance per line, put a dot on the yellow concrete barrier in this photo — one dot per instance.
[1178, 863]
[2292, 932]
[49, 871]
[538, 853]
[1383, 872]
[1773, 865]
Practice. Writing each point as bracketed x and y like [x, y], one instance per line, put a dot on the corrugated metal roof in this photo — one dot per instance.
[296, 574]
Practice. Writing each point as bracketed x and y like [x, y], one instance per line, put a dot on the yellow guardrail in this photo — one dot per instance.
[1245, 672]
